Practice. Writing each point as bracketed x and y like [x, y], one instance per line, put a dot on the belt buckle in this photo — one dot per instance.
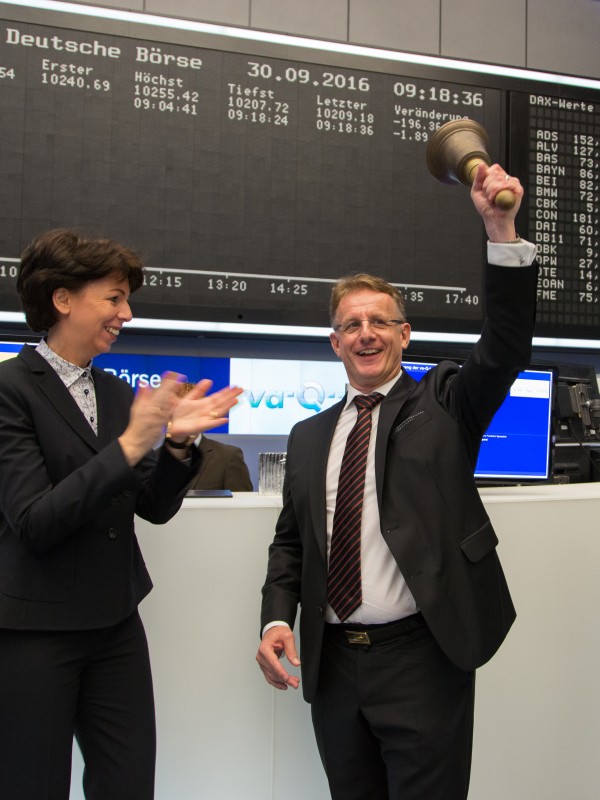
[357, 637]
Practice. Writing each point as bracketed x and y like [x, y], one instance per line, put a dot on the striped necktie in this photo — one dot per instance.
[344, 592]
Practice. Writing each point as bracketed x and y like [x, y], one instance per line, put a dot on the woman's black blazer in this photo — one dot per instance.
[69, 557]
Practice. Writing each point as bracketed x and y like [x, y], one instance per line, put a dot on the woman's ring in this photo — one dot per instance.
[507, 177]
[214, 414]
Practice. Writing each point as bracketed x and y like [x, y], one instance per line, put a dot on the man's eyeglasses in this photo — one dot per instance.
[355, 325]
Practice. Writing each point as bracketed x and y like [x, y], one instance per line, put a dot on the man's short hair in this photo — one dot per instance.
[353, 283]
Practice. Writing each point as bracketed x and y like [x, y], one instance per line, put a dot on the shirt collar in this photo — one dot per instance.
[68, 373]
[384, 389]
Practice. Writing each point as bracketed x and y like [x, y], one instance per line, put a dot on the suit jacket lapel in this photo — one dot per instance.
[58, 395]
[325, 427]
[390, 408]
[107, 413]
[206, 449]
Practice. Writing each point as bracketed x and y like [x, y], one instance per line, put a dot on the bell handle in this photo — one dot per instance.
[505, 199]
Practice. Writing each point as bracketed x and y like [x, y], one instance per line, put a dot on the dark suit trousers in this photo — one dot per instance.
[393, 721]
[95, 685]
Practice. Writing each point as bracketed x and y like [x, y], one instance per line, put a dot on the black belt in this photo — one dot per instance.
[357, 633]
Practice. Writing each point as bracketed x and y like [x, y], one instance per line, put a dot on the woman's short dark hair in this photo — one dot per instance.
[61, 259]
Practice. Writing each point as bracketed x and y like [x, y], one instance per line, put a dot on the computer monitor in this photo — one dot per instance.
[517, 445]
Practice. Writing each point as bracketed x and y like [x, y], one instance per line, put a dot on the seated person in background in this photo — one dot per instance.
[222, 466]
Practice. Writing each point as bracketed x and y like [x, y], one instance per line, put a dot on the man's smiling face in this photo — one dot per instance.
[371, 356]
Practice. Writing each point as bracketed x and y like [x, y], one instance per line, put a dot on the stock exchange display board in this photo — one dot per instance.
[556, 150]
[250, 181]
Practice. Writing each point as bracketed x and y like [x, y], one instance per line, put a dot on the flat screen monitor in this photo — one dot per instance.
[517, 445]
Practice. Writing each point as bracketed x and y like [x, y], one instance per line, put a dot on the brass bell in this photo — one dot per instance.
[456, 150]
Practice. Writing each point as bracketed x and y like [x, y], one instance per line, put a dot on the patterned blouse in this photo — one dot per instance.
[78, 381]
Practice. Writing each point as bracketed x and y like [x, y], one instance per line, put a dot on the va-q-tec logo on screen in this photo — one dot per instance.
[277, 394]
[311, 395]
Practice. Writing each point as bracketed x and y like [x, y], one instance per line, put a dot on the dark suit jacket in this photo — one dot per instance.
[69, 558]
[432, 517]
[222, 467]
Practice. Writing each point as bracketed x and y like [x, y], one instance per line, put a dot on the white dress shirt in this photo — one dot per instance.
[385, 595]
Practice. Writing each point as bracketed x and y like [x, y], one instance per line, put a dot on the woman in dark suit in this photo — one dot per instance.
[76, 464]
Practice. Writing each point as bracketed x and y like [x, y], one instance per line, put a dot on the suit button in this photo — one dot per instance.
[320, 611]
[112, 533]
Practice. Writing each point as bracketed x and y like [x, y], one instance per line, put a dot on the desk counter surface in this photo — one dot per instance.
[524, 493]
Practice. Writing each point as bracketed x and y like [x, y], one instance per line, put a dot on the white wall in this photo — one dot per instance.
[223, 734]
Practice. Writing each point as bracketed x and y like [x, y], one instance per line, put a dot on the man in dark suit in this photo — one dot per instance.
[222, 467]
[391, 680]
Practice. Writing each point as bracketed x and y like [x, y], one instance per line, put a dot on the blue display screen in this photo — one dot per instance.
[147, 370]
[517, 444]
